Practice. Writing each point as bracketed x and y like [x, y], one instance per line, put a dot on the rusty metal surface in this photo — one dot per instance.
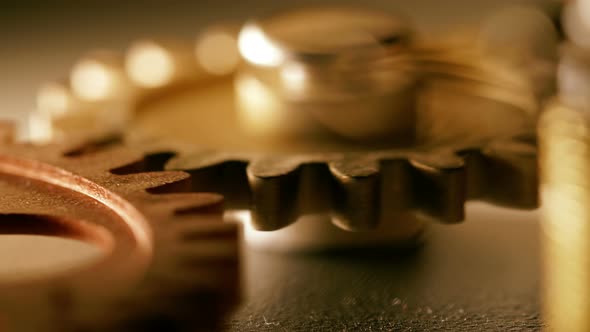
[168, 258]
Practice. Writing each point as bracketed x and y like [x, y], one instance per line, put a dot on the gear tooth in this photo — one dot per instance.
[397, 188]
[443, 159]
[511, 170]
[440, 186]
[199, 267]
[215, 172]
[275, 193]
[198, 230]
[356, 193]
[273, 167]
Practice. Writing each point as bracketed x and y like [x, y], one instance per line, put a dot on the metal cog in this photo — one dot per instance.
[360, 190]
[169, 262]
[462, 158]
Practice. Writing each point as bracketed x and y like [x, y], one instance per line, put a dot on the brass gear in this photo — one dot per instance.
[461, 155]
[169, 260]
[361, 190]
[360, 186]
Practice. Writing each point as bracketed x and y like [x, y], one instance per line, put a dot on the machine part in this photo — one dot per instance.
[471, 140]
[318, 67]
[324, 64]
[362, 190]
[169, 262]
[524, 38]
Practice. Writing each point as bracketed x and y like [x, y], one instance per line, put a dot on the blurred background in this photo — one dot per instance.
[40, 41]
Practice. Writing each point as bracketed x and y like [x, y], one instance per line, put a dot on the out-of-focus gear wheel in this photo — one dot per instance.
[169, 261]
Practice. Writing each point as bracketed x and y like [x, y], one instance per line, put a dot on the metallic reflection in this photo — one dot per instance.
[315, 233]
[54, 99]
[217, 52]
[100, 77]
[92, 81]
[255, 47]
[150, 65]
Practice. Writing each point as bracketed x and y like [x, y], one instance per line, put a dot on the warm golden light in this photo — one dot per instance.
[256, 48]
[294, 77]
[93, 81]
[217, 52]
[54, 99]
[150, 65]
[39, 128]
[583, 7]
[258, 106]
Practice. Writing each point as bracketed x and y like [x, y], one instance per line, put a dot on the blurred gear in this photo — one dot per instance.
[320, 66]
[169, 261]
[524, 38]
[467, 135]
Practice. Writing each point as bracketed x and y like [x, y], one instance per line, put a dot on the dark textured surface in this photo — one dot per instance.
[478, 276]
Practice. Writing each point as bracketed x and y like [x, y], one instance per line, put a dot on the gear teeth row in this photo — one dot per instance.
[199, 266]
[361, 191]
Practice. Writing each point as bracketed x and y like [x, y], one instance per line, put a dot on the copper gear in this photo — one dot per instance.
[169, 260]
[359, 188]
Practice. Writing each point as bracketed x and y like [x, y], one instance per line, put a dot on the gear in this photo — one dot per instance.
[476, 146]
[169, 262]
[361, 186]
[362, 189]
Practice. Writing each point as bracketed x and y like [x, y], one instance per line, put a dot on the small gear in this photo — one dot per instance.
[169, 261]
